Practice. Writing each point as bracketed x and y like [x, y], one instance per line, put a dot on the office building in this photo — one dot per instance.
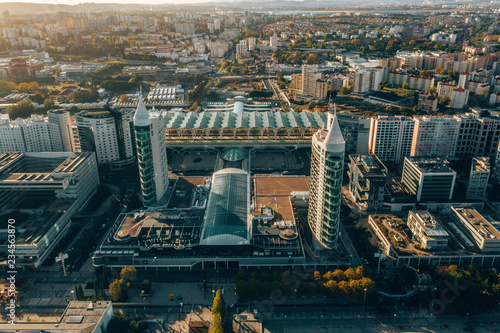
[34, 134]
[435, 137]
[77, 317]
[478, 178]
[391, 137]
[479, 134]
[63, 119]
[428, 179]
[151, 153]
[427, 230]
[109, 134]
[53, 186]
[367, 179]
[327, 166]
[356, 132]
[479, 230]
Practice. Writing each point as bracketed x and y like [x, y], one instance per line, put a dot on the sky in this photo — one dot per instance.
[75, 2]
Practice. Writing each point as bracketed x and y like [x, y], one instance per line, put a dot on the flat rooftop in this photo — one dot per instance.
[431, 165]
[431, 226]
[481, 164]
[275, 192]
[79, 316]
[22, 167]
[478, 222]
[369, 165]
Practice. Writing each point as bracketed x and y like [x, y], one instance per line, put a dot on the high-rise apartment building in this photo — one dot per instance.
[327, 166]
[479, 135]
[356, 132]
[108, 133]
[391, 137]
[435, 137]
[478, 178]
[33, 135]
[151, 153]
[63, 119]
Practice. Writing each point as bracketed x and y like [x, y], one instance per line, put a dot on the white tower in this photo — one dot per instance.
[327, 167]
[151, 153]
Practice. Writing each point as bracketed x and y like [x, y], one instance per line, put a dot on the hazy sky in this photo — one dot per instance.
[74, 2]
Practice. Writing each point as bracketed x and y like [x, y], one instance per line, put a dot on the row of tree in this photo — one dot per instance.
[350, 283]
[118, 289]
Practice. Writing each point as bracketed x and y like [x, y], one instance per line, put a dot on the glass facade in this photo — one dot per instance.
[325, 195]
[145, 161]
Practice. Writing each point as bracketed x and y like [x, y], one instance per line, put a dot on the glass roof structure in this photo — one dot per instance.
[216, 119]
[226, 217]
[233, 154]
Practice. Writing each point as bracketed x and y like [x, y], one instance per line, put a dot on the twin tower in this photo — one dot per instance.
[327, 167]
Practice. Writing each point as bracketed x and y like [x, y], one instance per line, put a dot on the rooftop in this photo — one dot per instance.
[431, 226]
[79, 316]
[478, 222]
[481, 164]
[369, 165]
[431, 165]
[226, 218]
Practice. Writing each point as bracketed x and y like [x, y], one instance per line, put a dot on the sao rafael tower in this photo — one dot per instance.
[151, 153]
[327, 166]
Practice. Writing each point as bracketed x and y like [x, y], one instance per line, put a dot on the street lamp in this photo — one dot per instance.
[213, 293]
[394, 321]
[433, 297]
[295, 303]
[467, 316]
[364, 300]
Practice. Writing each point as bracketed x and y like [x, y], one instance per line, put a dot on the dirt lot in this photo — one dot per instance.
[280, 185]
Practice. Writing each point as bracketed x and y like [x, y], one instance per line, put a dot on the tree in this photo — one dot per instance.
[405, 85]
[118, 290]
[129, 275]
[85, 96]
[48, 104]
[219, 313]
[124, 98]
[34, 86]
[120, 323]
[382, 85]
[346, 90]
[146, 286]
[212, 95]
[37, 98]
[22, 109]
[312, 59]
[23, 87]
[79, 292]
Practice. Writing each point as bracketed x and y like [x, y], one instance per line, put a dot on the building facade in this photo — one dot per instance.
[327, 165]
[63, 119]
[391, 137]
[428, 179]
[107, 133]
[427, 230]
[435, 137]
[34, 134]
[367, 179]
[151, 154]
[478, 178]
